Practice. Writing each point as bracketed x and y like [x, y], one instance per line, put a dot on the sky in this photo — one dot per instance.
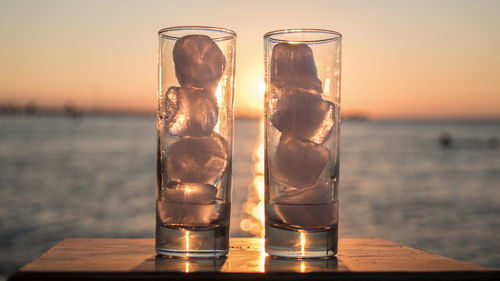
[401, 59]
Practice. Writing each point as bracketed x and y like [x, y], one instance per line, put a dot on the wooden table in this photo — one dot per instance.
[134, 259]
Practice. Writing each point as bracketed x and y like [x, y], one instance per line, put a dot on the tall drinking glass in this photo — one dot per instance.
[302, 110]
[195, 141]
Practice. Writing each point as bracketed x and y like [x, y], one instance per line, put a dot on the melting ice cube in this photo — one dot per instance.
[303, 115]
[320, 193]
[198, 62]
[298, 163]
[188, 214]
[307, 207]
[304, 215]
[190, 111]
[195, 193]
[197, 159]
[293, 65]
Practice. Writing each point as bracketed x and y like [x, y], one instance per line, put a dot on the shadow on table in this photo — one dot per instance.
[304, 265]
[161, 264]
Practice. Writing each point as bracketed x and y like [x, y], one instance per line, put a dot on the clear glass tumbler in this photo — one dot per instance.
[302, 110]
[195, 141]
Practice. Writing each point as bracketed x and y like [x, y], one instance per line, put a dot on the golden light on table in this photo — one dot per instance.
[302, 267]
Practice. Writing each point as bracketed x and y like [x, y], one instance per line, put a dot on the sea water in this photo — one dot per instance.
[63, 177]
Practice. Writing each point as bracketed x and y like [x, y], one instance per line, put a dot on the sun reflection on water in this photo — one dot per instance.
[302, 242]
[254, 207]
[262, 256]
[186, 241]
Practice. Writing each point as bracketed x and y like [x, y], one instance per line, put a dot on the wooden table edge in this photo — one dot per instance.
[278, 276]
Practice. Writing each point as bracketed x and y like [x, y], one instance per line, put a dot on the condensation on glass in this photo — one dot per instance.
[195, 141]
[302, 114]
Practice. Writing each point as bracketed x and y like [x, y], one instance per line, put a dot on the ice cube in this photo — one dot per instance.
[187, 214]
[195, 193]
[197, 159]
[320, 193]
[190, 111]
[198, 62]
[298, 163]
[293, 65]
[303, 115]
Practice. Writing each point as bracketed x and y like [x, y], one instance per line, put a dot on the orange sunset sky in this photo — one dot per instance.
[401, 59]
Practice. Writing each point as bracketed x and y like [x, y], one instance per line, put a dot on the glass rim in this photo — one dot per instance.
[334, 35]
[164, 31]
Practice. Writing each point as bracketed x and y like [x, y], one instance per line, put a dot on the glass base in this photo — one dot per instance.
[301, 243]
[176, 242]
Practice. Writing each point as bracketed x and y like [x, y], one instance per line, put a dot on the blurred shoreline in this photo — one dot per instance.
[72, 111]
[66, 110]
